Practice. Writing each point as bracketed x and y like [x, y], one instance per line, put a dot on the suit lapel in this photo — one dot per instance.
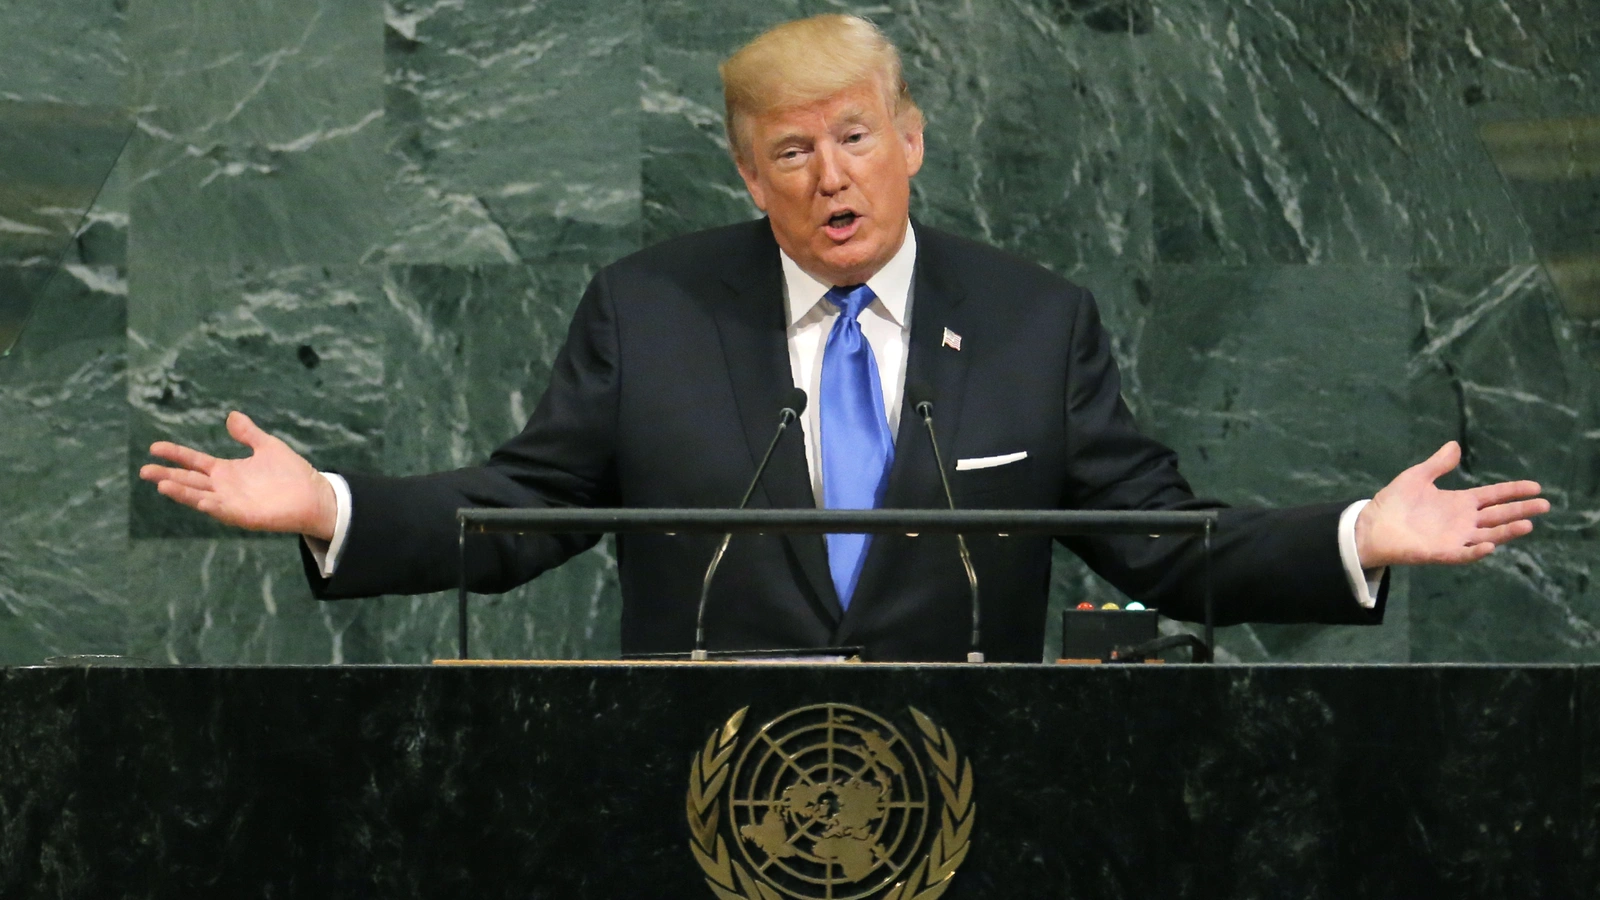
[754, 335]
[913, 479]
[938, 306]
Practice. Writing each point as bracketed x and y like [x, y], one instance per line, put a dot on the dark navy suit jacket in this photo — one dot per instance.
[668, 390]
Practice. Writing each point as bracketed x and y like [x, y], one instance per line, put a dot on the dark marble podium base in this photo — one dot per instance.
[570, 780]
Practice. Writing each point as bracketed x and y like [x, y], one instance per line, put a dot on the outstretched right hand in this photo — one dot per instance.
[272, 489]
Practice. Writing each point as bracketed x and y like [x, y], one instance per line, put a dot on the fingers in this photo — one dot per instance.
[1442, 462]
[204, 501]
[186, 477]
[183, 456]
[1506, 513]
[1504, 533]
[197, 480]
[1491, 494]
[1485, 540]
[245, 431]
[239, 426]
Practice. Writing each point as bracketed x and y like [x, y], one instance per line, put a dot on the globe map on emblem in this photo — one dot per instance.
[829, 802]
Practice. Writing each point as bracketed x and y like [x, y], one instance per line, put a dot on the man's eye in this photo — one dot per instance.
[855, 137]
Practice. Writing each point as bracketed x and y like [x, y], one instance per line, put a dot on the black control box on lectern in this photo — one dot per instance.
[1089, 635]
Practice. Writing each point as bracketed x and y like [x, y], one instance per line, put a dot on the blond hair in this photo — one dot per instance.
[806, 61]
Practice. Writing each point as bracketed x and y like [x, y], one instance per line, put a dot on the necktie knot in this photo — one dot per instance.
[851, 299]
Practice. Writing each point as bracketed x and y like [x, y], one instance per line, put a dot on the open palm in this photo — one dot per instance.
[1412, 521]
[272, 489]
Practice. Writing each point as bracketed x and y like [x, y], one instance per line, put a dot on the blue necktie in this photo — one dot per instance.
[856, 445]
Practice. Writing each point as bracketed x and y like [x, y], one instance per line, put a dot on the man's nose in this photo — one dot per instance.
[832, 177]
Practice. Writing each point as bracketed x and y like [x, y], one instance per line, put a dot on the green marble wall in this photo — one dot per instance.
[366, 223]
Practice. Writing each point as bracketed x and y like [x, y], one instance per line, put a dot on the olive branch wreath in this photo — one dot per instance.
[729, 879]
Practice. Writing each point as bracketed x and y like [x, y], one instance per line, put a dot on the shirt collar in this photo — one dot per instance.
[892, 284]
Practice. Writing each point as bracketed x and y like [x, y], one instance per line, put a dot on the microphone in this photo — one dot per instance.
[920, 396]
[795, 405]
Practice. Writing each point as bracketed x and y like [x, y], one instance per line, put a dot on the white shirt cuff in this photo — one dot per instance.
[1364, 583]
[326, 553]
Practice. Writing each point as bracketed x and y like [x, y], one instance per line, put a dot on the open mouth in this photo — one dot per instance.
[842, 225]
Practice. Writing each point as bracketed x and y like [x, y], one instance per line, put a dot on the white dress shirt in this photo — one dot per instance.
[886, 324]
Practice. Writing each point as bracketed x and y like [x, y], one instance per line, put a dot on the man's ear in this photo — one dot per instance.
[911, 139]
[752, 183]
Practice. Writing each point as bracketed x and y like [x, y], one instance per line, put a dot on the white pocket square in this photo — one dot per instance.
[989, 462]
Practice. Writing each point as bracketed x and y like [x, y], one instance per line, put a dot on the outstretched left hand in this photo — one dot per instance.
[1411, 521]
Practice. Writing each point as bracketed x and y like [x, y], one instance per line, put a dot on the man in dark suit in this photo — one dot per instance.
[680, 357]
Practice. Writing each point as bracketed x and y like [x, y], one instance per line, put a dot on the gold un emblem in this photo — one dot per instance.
[829, 802]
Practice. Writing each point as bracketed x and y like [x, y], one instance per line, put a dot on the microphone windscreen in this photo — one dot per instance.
[796, 401]
[918, 393]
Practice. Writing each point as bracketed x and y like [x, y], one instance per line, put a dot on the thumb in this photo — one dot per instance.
[245, 431]
[1442, 462]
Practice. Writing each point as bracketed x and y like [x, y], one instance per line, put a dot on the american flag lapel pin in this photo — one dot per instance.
[952, 340]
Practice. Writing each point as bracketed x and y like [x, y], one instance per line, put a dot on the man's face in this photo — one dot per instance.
[835, 179]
